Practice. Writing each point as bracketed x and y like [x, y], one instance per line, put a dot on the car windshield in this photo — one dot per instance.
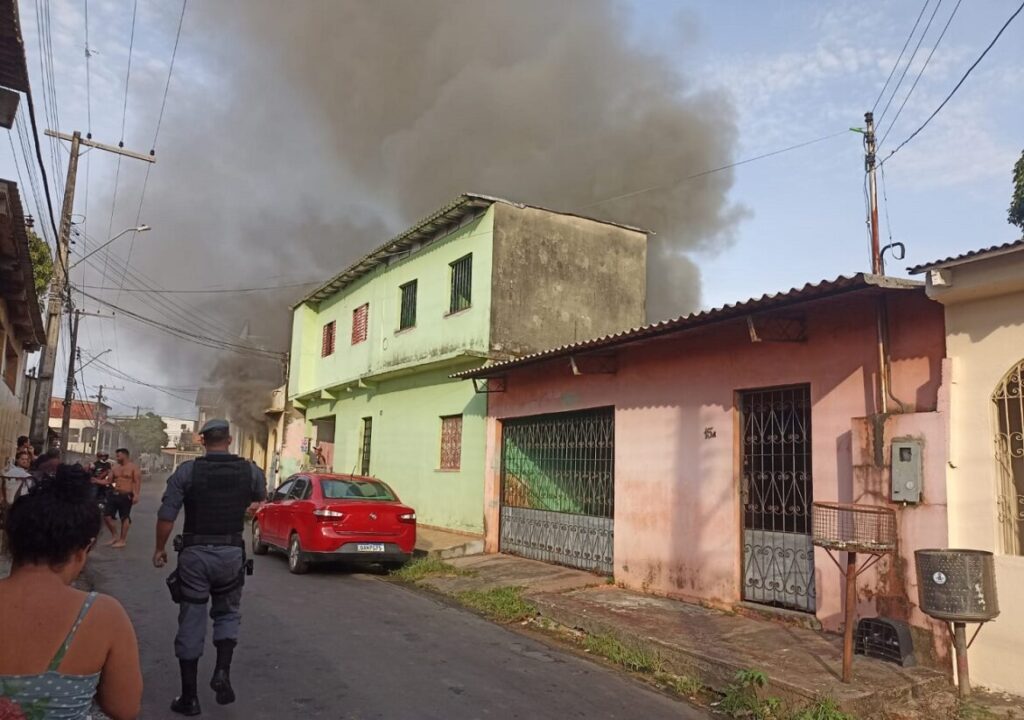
[356, 490]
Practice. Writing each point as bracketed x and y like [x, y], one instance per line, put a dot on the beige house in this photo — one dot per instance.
[21, 324]
[983, 295]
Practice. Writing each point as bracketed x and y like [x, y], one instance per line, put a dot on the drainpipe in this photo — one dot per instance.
[884, 366]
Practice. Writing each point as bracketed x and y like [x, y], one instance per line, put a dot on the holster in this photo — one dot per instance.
[174, 586]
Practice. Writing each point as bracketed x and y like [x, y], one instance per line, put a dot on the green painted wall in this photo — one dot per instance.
[406, 443]
[437, 334]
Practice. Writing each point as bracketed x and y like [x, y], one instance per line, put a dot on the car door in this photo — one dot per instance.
[291, 508]
[270, 518]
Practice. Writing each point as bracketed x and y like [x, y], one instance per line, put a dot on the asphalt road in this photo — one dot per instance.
[347, 644]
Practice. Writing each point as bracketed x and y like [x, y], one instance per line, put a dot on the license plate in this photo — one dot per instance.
[370, 547]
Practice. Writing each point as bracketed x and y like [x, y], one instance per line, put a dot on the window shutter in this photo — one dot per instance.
[360, 317]
[451, 442]
[327, 342]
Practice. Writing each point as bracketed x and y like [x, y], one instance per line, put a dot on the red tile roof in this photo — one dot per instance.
[80, 410]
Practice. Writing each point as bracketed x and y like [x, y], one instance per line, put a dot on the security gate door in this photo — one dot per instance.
[778, 556]
[558, 488]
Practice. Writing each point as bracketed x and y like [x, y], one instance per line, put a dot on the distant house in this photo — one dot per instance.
[480, 278]
[181, 432]
[21, 323]
[683, 457]
[90, 430]
[982, 293]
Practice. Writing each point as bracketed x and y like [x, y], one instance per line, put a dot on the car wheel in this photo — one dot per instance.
[296, 564]
[258, 546]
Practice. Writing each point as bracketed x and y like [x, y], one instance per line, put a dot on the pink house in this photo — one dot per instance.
[683, 457]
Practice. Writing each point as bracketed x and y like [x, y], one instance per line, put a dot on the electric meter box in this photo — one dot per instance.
[907, 470]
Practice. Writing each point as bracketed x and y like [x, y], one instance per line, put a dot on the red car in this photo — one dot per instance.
[320, 517]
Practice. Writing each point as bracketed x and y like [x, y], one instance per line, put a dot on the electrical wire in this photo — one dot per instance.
[920, 73]
[170, 72]
[885, 204]
[125, 377]
[773, 153]
[39, 158]
[128, 74]
[957, 86]
[910, 62]
[898, 59]
[88, 77]
[212, 291]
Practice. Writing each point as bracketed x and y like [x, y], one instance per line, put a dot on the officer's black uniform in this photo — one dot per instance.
[215, 491]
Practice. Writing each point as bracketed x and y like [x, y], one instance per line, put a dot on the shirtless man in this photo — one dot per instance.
[125, 486]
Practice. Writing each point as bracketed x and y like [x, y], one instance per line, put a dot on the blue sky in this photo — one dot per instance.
[793, 71]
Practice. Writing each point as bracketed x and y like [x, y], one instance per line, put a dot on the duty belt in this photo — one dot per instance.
[189, 539]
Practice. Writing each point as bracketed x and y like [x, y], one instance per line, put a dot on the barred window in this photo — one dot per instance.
[364, 454]
[360, 318]
[462, 284]
[327, 342]
[407, 316]
[451, 442]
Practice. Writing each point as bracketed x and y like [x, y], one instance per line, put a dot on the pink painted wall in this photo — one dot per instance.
[677, 507]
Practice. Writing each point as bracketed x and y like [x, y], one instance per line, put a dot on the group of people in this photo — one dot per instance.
[64, 648]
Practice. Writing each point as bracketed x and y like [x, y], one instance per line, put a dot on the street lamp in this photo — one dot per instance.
[140, 228]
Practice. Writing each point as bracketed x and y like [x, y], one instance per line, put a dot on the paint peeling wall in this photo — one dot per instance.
[677, 505]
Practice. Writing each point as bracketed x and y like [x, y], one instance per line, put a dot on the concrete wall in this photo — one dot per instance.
[12, 421]
[406, 444]
[677, 503]
[559, 279]
[985, 324]
[437, 334]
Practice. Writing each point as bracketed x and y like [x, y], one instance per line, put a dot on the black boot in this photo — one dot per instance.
[188, 702]
[221, 682]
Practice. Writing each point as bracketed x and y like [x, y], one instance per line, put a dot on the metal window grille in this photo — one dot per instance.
[451, 442]
[462, 284]
[407, 315]
[1009, 403]
[360, 320]
[561, 463]
[327, 341]
[364, 455]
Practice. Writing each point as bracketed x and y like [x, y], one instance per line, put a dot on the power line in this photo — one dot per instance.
[39, 158]
[921, 72]
[88, 77]
[211, 291]
[910, 61]
[128, 75]
[714, 170]
[957, 86]
[170, 72]
[898, 59]
[121, 375]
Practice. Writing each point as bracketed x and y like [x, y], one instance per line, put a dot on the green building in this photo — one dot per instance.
[480, 279]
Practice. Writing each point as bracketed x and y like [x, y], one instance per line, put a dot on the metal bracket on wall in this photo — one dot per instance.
[777, 328]
[606, 364]
[489, 385]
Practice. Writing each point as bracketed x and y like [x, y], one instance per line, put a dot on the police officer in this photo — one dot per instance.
[215, 490]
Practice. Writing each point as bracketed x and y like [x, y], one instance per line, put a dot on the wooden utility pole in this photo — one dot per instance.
[877, 264]
[58, 287]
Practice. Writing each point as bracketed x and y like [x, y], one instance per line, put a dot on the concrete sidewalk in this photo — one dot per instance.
[710, 646]
[446, 544]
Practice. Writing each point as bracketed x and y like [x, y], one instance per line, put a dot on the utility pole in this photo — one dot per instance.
[877, 264]
[69, 389]
[58, 287]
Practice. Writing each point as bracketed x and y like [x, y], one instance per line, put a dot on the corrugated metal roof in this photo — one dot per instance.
[13, 69]
[439, 223]
[809, 292]
[971, 256]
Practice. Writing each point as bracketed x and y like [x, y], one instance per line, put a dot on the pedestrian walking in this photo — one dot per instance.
[216, 490]
[125, 488]
[61, 647]
[101, 482]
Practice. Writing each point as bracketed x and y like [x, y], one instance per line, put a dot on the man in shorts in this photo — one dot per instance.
[100, 471]
[125, 486]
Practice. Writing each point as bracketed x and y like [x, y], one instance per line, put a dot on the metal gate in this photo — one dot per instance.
[776, 490]
[558, 488]
[1009, 402]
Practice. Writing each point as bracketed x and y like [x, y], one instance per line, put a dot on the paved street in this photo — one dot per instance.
[337, 644]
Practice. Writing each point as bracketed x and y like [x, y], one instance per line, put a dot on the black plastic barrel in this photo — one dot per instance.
[957, 585]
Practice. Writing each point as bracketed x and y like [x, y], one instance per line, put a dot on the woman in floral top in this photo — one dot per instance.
[61, 647]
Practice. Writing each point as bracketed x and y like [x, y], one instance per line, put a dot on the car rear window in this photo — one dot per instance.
[355, 490]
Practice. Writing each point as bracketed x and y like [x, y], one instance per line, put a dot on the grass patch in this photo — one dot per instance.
[504, 604]
[969, 710]
[743, 698]
[425, 567]
[632, 658]
[824, 709]
[684, 685]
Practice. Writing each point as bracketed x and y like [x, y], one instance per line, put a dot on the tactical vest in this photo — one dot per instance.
[221, 490]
